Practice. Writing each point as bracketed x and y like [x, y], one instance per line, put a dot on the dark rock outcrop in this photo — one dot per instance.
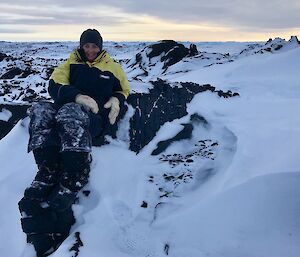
[164, 103]
[167, 57]
[27, 72]
[294, 39]
[271, 46]
[11, 73]
[49, 71]
[2, 56]
[185, 133]
[76, 246]
[193, 50]
[171, 51]
[18, 113]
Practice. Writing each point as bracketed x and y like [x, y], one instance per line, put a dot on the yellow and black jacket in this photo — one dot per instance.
[100, 79]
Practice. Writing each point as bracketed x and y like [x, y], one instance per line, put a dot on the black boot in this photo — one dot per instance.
[48, 162]
[75, 174]
[75, 169]
[45, 244]
[45, 228]
[61, 198]
[37, 217]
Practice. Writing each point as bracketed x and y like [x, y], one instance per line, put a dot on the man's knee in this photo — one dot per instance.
[73, 128]
[72, 112]
[42, 121]
[41, 112]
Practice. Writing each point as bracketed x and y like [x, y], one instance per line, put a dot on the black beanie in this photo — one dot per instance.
[91, 36]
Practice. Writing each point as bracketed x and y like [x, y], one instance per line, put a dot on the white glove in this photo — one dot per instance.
[114, 105]
[88, 102]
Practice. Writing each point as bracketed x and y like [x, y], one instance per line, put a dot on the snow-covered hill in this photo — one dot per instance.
[220, 178]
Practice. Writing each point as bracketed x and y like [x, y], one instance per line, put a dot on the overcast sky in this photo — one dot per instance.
[151, 20]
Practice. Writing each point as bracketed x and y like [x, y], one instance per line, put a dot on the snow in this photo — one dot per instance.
[248, 205]
[264, 117]
[5, 114]
[256, 218]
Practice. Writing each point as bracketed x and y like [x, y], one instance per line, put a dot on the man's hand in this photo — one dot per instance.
[88, 102]
[114, 105]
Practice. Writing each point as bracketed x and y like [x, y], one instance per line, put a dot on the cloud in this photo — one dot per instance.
[269, 14]
[13, 31]
[49, 15]
[249, 16]
[273, 14]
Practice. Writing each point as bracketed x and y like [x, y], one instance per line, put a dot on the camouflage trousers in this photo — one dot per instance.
[60, 139]
[68, 127]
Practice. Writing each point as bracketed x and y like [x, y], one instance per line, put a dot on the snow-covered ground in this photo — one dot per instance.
[241, 200]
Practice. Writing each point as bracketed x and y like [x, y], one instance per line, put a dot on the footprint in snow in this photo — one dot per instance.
[135, 239]
[122, 214]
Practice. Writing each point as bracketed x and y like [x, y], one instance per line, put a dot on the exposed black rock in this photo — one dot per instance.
[116, 45]
[226, 94]
[175, 55]
[171, 51]
[294, 39]
[163, 46]
[86, 192]
[11, 73]
[30, 95]
[26, 73]
[23, 93]
[18, 113]
[5, 127]
[162, 104]
[271, 46]
[2, 56]
[4, 90]
[193, 50]
[185, 173]
[185, 133]
[49, 71]
[204, 149]
[144, 204]
[166, 249]
[138, 62]
[76, 246]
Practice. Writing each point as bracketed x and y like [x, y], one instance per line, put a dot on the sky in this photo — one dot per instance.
[149, 20]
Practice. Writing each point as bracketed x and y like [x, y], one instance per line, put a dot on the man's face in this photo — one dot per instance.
[91, 50]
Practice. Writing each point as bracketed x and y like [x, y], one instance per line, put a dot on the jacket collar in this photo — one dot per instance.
[80, 56]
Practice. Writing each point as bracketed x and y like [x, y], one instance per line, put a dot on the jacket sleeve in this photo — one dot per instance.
[59, 88]
[122, 88]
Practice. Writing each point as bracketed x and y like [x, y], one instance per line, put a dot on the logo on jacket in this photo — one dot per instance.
[104, 76]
